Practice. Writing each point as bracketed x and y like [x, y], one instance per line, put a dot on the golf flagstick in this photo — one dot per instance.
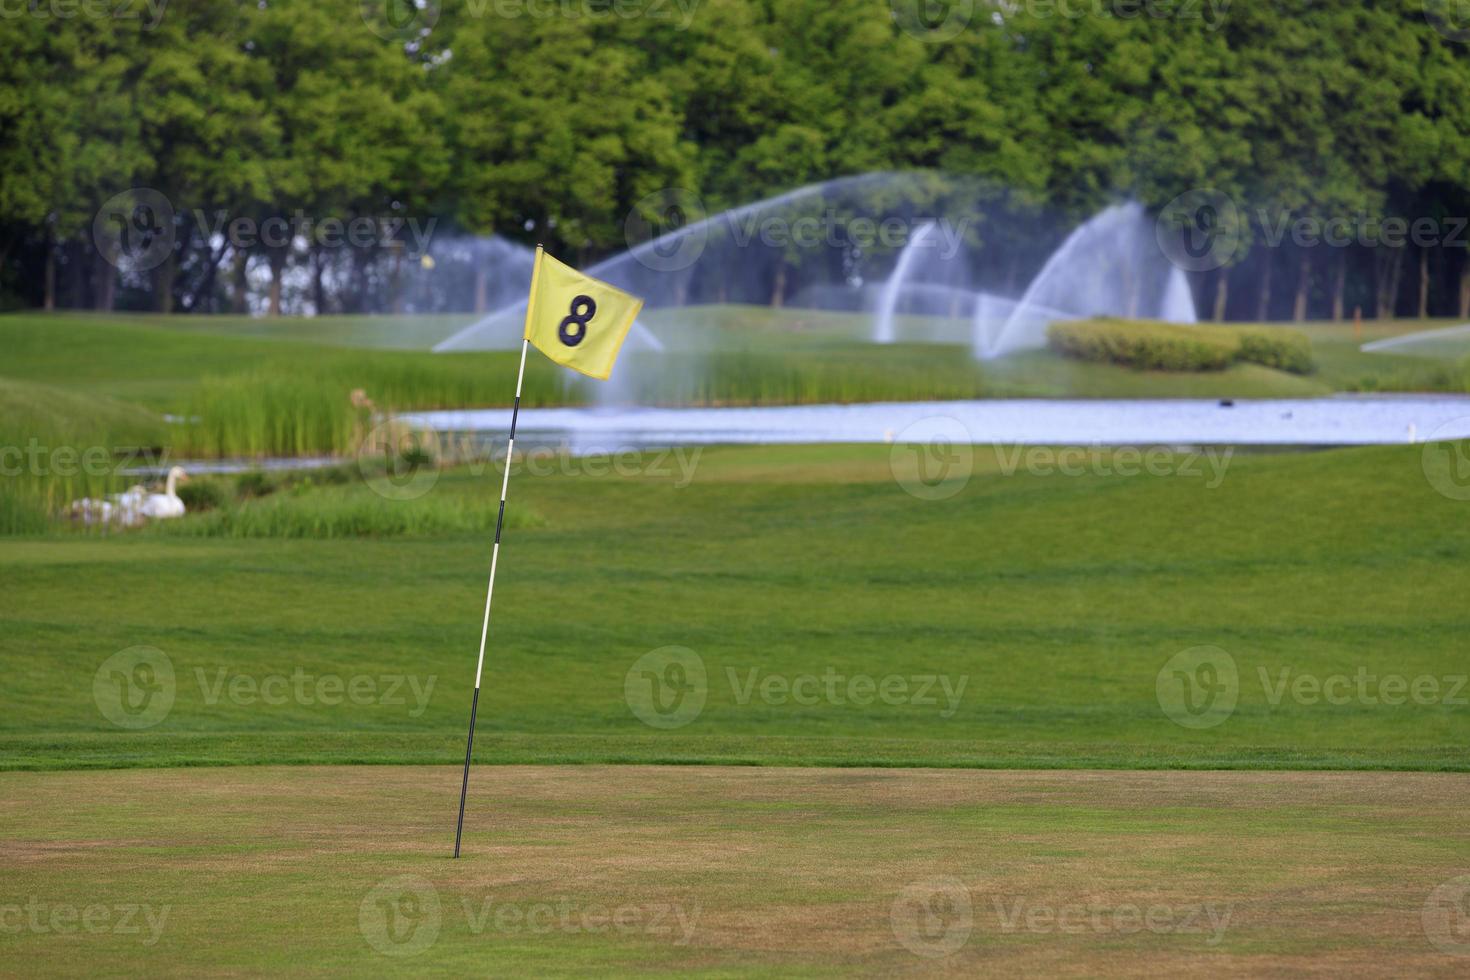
[573, 341]
[510, 446]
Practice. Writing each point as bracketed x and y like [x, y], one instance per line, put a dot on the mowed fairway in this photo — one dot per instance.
[705, 871]
[1030, 620]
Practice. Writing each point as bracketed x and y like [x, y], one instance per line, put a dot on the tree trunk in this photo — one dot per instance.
[396, 286]
[105, 290]
[1263, 301]
[1390, 267]
[1423, 283]
[1339, 283]
[1222, 293]
[278, 263]
[1465, 288]
[778, 291]
[482, 287]
[318, 290]
[1303, 287]
[240, 282]
[163, 283]
[48, 302]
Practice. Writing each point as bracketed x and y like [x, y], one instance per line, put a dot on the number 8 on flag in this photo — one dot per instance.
[577, 320]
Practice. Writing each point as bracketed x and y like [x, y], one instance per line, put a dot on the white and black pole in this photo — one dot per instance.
[510, 446]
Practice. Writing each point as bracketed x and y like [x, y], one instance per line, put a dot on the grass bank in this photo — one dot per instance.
[1028, 620]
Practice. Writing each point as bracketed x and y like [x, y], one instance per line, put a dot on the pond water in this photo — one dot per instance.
[1336, 421]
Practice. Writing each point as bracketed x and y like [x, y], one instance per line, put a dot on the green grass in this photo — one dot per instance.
[1055, 600]
[726, 872]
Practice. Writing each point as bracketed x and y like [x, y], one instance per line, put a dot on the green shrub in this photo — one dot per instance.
[255, 483]
[1154, 346]
[1274, 347]
[1143, 345]
[201, 495]
[345, 512]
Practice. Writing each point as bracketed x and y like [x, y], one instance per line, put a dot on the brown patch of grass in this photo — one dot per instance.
[784, 870]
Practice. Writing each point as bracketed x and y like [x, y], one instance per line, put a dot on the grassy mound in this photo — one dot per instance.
[1156, 346]
[336, 503]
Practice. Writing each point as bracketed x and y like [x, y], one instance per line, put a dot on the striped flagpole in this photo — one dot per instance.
[510, 447]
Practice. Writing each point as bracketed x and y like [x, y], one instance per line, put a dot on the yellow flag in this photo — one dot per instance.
[577, 320]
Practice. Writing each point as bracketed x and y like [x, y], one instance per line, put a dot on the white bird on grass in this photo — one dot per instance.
[167, 504]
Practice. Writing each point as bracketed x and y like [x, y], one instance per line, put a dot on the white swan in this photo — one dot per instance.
[166, 504]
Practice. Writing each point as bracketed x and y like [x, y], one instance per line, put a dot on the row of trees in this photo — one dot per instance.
[550, 119]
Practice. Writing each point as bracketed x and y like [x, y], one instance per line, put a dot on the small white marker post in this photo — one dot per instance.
[510, 446]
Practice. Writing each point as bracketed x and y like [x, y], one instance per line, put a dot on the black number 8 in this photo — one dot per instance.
[584, 308]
